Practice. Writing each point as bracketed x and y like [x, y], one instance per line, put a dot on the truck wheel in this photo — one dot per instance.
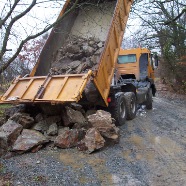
[149, 100]
[119, 111]
[130, 105]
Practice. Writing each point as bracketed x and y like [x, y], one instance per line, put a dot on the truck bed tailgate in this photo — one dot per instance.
[53, 89]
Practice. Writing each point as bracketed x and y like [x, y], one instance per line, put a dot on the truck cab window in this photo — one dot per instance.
[123, 59]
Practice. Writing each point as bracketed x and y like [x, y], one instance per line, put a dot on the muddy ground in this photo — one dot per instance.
[152, 151]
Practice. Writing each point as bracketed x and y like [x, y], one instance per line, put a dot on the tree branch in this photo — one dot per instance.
[7, 34]
[176, 18]
[36, 35]
[2, 21]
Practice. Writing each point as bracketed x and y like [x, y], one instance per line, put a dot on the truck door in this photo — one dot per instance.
[143, 66]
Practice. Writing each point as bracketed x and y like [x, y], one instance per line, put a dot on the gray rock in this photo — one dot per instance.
[100, 44]
[102, 121]
[29, 139]
[41, 126]
[91, 92]
[81, 68]
[72, 49]
[52, 130]
[88, 50]
[71, 116]
[76, 49]
[77, 56]
[95, 59]
[99, 51]
[24, 119]
[91, 43]
[9, 133]
[73, 65]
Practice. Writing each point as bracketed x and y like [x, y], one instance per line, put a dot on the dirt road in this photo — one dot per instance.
[152, 151]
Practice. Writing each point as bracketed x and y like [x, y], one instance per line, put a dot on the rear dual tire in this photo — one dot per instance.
[119, 110]
[131, 106]
[149, 100]
[125, 107]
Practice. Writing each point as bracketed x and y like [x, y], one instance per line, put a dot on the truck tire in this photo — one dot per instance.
[149, 100]
[130, 105]
[119, 110]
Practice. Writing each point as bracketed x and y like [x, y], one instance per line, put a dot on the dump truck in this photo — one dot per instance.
[133, 83]
[104, 85]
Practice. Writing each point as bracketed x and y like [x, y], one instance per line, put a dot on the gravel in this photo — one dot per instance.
[151, 151]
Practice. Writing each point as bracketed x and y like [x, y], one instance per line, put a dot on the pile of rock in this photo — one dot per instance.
[78, 55]
[74, 127]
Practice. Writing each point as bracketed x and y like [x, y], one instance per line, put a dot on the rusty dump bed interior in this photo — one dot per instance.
[107, 23]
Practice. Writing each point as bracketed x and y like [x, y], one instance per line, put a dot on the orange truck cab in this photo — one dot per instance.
[134, 76]
[135, 63]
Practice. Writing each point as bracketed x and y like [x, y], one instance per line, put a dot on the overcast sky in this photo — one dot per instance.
[39, 17]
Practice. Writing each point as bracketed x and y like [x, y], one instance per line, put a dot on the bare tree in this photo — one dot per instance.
[163, 26]
[15, 33]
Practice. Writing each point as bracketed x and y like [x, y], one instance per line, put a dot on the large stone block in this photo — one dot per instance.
[69, 138]
[102, 121]
[8, 134]
[29, 139]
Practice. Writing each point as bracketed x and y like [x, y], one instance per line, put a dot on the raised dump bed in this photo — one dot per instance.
[102, 22]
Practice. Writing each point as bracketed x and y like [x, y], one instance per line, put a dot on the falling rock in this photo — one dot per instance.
[100, 44]
[52, 130]
[73, 49]
[91, 92]
[88, 50]
[99, 51]
[29, 139]
[73, 65]
[91, 42]
[9, 133]
[72, 116]
[95, 59]
[77, 56]
[102, 121]
[93, 140]
[69, 138]
[81, 68]
[24, 119]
